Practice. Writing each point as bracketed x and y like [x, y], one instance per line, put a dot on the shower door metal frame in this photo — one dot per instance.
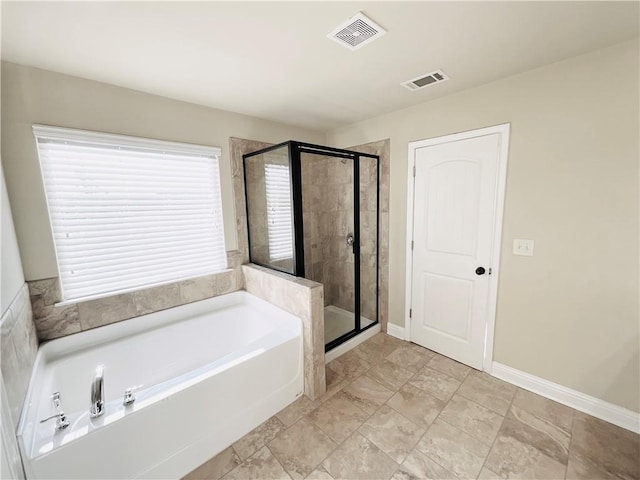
[292, 180]
[296, 149]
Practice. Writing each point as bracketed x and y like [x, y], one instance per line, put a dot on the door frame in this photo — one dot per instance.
[503, 130]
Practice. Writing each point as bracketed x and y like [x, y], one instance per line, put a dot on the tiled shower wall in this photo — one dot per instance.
[327, 204]
[328, 201]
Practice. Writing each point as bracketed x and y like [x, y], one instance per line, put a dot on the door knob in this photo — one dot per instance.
[480, 271]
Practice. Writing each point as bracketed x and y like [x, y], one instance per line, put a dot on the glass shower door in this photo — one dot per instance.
[330, 237]
[269, 198]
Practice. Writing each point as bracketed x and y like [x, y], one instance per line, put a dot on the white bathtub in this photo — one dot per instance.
[205, 374]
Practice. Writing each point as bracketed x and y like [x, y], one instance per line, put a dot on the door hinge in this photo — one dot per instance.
[414, 170]
[410, 312]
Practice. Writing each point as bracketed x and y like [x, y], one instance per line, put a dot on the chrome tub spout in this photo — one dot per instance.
[97, 393]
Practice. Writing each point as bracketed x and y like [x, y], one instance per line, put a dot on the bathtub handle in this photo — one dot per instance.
[128, 398]
[62, 421]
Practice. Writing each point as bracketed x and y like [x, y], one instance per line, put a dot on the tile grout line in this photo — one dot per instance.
[482, 406]
[371, 364]
[313, 423]
[373, 360]
[357, 430]
[573, 419]
[415, 447]
[498, 433]
[395, 411]
[278, 460]
[437, 417]
[327, 433]
[338, 445]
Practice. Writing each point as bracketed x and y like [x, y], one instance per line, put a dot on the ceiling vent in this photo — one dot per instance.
[426, 80]
[356, 32]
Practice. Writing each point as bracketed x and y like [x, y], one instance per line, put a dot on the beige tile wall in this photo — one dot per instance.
[327, 191]
[18, 349]
[327, 203]
[53, 321]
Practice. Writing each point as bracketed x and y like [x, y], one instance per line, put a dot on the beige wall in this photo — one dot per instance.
[568, 314]
[32, 95]
[11, 276]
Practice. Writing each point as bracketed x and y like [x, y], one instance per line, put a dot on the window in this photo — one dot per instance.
[278, 188]
[128, 212]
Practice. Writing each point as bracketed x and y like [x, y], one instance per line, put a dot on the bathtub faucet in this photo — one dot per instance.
[62, 421]
[97, 393]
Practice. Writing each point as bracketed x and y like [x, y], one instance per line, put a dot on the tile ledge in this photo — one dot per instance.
[66, 303]
[305, 282]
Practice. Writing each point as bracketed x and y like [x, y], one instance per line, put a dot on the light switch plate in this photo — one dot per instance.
[523, 247]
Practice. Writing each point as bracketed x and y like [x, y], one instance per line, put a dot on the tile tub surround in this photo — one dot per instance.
[53, 321]
[303, 298]
[18, 350]
[364, 429]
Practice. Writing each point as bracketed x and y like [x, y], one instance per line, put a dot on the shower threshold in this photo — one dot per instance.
[338, 322]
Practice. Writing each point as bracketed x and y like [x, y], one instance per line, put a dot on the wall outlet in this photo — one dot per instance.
[523, 247]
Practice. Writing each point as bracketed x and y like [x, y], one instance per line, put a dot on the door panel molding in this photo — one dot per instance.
[503, 131]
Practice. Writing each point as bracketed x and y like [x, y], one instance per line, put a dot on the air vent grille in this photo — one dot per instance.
[426, 80]
[356, 32]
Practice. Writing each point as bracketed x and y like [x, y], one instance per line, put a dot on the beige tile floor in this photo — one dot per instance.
[396, 410]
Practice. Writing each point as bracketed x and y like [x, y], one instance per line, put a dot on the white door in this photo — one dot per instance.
[454, 219]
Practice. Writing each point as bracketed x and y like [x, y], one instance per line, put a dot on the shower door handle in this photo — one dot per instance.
[350, 240]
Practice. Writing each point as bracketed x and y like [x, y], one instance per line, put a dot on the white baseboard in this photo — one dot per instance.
[395, 331]
[351, 343]
[596, 407]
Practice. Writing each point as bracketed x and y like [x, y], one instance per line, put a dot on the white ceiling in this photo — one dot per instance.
[273, 59]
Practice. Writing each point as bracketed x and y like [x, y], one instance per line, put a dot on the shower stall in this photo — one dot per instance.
[312, 212]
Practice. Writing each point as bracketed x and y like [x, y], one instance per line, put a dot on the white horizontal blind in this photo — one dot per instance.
[279, 228]
[127, 212]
